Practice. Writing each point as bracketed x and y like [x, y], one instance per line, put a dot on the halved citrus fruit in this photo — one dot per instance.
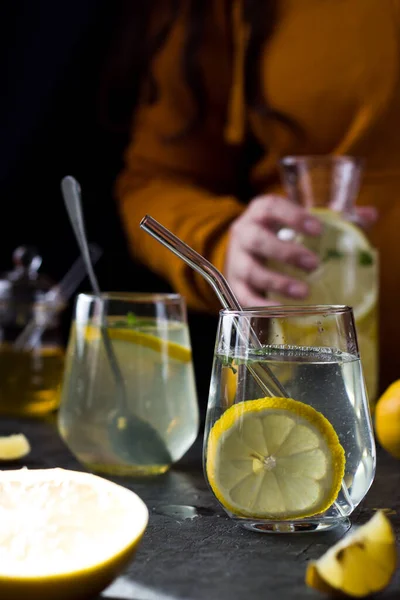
[274, 458]
[64, 534]
[361, 564]
[387, 419]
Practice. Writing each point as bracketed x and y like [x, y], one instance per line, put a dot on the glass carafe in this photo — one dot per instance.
[348, 271]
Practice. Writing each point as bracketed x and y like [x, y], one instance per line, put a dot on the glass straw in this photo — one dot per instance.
[261, 372]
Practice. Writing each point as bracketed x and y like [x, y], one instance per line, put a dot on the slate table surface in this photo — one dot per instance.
[207, 556]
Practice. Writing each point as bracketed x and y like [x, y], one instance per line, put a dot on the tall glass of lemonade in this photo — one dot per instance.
[348, 273]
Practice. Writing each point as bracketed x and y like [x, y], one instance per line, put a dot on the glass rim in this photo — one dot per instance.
[288, 310]
[321, 158]
[135, 297]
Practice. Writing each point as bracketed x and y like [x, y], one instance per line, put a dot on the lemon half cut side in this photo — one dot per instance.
[274, 458]
[64, 534]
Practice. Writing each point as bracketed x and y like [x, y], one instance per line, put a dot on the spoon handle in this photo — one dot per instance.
[72, 193]
[72, 197]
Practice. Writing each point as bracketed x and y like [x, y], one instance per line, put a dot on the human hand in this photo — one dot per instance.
[365, 216]
[253, 241]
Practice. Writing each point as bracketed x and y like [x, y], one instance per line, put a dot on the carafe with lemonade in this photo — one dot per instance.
[348, 273]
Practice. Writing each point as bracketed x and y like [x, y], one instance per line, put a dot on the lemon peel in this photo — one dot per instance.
[361, 564]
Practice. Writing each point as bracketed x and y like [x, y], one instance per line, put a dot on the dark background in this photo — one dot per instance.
[52, 123]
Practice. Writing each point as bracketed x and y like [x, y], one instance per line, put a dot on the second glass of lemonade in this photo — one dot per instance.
[159, 420]
[327, 186]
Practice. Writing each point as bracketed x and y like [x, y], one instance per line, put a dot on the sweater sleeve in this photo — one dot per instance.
[185, 181]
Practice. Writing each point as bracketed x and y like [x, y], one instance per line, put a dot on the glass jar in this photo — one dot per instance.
[31, 350]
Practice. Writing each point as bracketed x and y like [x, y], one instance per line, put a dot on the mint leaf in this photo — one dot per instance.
[365, 259]
[332, 253]
[131, 319]
[228, 362]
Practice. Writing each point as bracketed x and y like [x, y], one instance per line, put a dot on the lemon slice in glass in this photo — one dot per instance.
[274, 458]
[349, 277]
[163, 346]
[348, 270]
[347, 274]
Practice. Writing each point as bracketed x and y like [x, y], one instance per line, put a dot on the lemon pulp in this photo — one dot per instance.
[274, 458]
[64, 533]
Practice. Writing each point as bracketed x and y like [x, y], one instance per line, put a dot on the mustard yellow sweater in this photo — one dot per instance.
[333, 67]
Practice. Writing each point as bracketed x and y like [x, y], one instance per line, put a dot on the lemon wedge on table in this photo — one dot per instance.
[64, 534]
[361, 564]
[14, 446]
[274, 458]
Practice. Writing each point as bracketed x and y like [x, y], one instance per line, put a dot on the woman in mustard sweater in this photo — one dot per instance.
[234, 86]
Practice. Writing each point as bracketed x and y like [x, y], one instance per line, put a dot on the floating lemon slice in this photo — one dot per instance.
[229, 379]
[348, 274]
[64, 534]
[361, 564]
[14, 446]
[350, 278]
[348, 270]
[356, 257]
[274, 458]
[171, 349]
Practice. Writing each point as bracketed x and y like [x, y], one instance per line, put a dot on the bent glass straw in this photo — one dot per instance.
[261, 372]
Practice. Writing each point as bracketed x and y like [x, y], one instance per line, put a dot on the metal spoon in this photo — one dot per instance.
[134, 440]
